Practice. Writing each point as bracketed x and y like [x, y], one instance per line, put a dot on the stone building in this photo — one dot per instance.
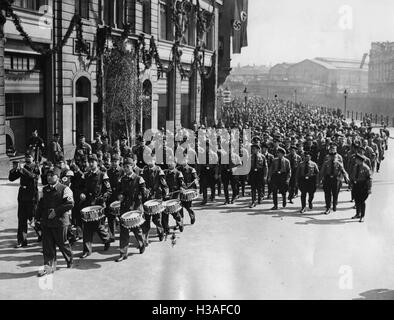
[62, 92]
[381, 70]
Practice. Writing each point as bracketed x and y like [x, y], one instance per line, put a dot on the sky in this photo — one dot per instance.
[294, 30]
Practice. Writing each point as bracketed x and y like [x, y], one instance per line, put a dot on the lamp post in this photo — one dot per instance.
[246, 95]
[345, 95]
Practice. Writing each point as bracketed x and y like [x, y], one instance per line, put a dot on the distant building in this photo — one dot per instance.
[247, 74]
[381, 70]
[280, 71]
[331, 76]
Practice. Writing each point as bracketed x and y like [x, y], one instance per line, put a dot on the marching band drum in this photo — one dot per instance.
[172, 206]
[92, 214]
[153, 207]
[114, 208]
[189, 195]
[132, 219]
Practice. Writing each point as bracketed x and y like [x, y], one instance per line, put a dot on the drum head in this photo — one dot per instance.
[151, 203]
[115, 205]
[131, 215]
[92, 208]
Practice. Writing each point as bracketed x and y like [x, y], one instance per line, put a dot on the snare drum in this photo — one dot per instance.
[172, 206]
[92, 214]
[114, 208]
[189, 195]
[132, 219]
[153, 207]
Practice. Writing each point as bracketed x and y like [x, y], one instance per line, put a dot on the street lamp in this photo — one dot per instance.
[295, 96]
[345, 95]
[246, 95]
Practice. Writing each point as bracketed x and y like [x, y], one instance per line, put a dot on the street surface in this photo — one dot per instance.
[232, 252]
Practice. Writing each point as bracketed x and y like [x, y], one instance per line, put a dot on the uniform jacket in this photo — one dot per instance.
[333, 167]
[60, 198]
[361, 174]
[258, 166]
[115, 175]
[190, 176]
[133, 189]
[285, 168]
[312, 173]
[97, 187]
[174, 179]
[155, 181]
[295, 161]
[28, 176]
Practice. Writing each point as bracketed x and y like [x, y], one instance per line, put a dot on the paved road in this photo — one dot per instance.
[231, 253]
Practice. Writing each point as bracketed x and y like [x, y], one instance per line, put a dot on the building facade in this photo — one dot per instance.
[381, 70]
[62, 92]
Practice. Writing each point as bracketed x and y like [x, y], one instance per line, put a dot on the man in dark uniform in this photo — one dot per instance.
[82, 150]
[131, 194]
[295, 160]
[362, 185]
[175, 183]
[228, 177]
[54, 210]
[138, 150]
[331, 174]
[258, 174]
[106, 147]
[77, 187]
[191, 182]
[307, 179]
[279, 175]
[115, 174]
[55, 150]
[209, 174]
[97, 145]
[27, 196]
[97, 191]
[157, 187]
[36, 146]
[269, 159]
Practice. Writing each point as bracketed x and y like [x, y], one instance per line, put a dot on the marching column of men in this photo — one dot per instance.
[293, 148]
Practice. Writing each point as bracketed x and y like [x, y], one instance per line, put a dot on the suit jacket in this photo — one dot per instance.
[285, 169]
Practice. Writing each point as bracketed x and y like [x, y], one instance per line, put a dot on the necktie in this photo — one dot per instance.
[332, 168]
[255, 162]
[280, 165]
[306, 168]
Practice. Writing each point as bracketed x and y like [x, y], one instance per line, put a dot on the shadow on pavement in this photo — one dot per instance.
[377, 294]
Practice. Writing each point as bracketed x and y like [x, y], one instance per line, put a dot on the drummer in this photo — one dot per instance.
[156, 189]
[174, 179]
[131, 192]
[191, 181]
[115, 174]
[97, 190]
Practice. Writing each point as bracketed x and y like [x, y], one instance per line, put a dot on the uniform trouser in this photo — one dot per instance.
[208, 181]
[25, 212]
[219, 186]
[111, 219]
[292, 187]
[227, 180]
[188, 206]
[242, 184]
[373, 165]
[360, 196]
[279, 185]
[125, 238]
[307, 187]
[331, 187]
[156, 219]
[89, 228]
[166, 217]
[52, 237]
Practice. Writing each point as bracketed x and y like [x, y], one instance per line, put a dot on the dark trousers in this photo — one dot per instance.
[188, 206]
[52, 237]
[156, 219]
[242, 184]
[208, 181]
[331, 187]
[89, 228]
[111, 219]
[292, 187]
[279, 186]
[26, 211]
[307, 187]
[360, 196]
[227, 180]
[165, 220]
[125, 238]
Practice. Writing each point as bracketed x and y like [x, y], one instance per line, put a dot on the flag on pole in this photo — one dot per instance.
[240, 25]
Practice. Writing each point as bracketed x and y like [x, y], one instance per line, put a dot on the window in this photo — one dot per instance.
[146, 16]
[14, 105]
[166, 25]
[190, 33]
[82, 8]
[19, 62]
[114, 13]
[30, 4]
